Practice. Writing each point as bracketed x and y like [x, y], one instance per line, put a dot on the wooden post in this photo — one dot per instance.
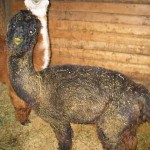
[8, 9]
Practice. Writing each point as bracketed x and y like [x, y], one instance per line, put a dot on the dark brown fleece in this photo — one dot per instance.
[76, 94]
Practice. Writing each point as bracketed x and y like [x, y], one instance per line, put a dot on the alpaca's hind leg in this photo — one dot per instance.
[63, 134]
[127, 141]
[22, 109]
[111, 131]
[108, 143]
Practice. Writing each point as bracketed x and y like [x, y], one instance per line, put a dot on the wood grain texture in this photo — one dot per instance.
[99, 27]
[131, 49]
[100, 17]
[117, 8]
[134, 59]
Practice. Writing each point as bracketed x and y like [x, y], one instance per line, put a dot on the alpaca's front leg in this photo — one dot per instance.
[63, 134]
[22, 109]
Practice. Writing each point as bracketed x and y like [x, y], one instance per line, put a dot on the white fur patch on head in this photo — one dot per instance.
[37, 7]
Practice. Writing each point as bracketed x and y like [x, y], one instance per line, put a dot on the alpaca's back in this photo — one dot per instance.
[83, 93]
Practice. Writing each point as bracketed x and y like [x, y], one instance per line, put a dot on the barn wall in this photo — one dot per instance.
[111, 35]
[2, 16]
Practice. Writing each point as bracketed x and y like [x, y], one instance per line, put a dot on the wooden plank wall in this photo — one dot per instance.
[111, 35]
[2, 16]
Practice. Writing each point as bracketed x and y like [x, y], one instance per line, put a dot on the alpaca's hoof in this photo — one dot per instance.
[26, 123]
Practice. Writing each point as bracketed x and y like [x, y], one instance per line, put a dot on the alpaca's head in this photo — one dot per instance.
[37, 7]
[22, 32]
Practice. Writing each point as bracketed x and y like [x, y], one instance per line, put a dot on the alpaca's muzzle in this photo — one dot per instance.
[17, 40]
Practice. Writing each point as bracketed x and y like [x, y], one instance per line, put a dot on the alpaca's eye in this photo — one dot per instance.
[31, 32]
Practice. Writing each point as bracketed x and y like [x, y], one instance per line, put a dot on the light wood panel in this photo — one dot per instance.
[131, 49]
[114, 8]
[99, 27]
[105, 55]
[111, 35]
[100, 17]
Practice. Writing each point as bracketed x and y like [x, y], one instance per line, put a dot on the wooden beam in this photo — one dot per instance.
[102, 37]
[105, 55]
[105, 46]
[99, 27]
[112, 1]
[100, 7]
[100, 17]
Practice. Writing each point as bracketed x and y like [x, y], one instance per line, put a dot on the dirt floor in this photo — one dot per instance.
[39, 136]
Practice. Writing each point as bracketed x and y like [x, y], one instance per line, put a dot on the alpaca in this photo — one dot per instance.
[41, 58]
[66, 94]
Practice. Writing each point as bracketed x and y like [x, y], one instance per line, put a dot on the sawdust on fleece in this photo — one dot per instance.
[39, 135]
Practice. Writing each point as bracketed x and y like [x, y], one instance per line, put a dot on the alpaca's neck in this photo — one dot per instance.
[23, 76]
[41, 57]
[45, 41]
[42, 48]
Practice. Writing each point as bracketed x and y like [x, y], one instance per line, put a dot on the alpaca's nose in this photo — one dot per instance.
[17, 40]
[36, 1]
